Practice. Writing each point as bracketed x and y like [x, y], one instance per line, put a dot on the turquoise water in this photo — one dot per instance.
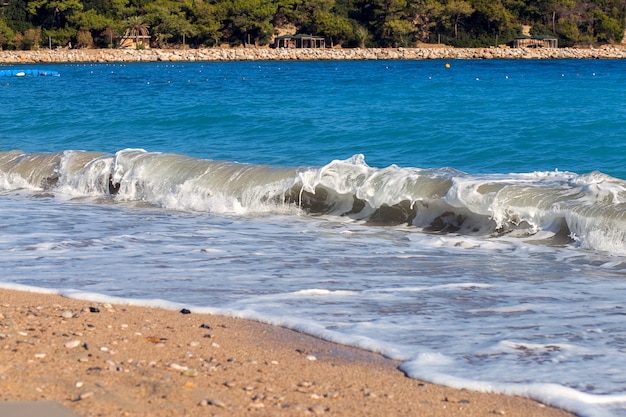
[397, 206]
[477, 116]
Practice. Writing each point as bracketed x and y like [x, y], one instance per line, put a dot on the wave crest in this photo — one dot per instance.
[556, 207]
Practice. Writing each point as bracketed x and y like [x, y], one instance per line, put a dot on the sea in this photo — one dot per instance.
[465, 217]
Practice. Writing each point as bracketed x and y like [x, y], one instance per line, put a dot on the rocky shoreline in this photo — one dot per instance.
[267, 54]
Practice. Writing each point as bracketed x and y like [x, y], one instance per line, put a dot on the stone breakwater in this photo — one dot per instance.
[266, 54]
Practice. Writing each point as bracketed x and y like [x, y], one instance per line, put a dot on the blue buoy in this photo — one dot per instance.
[25, 72]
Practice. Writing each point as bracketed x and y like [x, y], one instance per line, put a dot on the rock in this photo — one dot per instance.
[178, 367]
[85, 395]
[331, 394]
[72, 344]
[215, 402]
[317, 409]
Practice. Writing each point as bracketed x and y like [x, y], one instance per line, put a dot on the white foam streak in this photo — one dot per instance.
[583, 404]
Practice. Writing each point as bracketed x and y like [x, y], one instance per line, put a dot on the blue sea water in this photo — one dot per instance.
[469, 221]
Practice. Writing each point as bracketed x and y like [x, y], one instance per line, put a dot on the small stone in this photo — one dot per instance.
[185, 311]
[94, 309]
[229, 384]
[317, 409]
[257, 405]
[178, 367]
[331, 394]
[72, 344]
[305, 384]
[311, 358]
[85, 395]
[205, 326]
[217, 403]
[190, 373]
[79, 384]
[67, 314]
[499, 412]
[40, 355]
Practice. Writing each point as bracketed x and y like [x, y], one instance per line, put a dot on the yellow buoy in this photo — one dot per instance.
[447, 65]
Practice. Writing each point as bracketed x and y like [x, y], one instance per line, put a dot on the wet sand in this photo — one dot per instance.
[117, 360]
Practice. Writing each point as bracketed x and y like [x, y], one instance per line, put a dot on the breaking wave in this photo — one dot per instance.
[557, 208]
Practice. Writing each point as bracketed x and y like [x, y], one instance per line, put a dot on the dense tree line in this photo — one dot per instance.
[31, 24]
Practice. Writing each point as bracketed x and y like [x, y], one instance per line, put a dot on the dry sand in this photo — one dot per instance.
[117, 360]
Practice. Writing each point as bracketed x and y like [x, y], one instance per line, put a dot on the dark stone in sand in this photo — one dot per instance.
[185, 311]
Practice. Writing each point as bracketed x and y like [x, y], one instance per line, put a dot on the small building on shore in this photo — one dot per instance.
[300, 40]
[539, 41]
[134, 42]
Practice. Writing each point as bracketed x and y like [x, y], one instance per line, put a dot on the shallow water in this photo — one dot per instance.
[253, 199]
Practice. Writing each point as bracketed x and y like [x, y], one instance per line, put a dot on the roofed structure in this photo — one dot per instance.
[301, 40]
[540, 41]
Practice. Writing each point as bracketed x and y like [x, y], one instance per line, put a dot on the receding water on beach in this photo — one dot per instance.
[469, 221]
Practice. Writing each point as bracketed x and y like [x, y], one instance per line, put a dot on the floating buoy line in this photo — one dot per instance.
[25, 72]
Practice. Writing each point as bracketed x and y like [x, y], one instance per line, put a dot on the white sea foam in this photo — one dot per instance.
[541, 205]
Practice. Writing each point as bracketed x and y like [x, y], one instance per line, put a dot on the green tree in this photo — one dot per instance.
[6, 34]
[328, 24]
[456, 10]
[250, 21]
[207, 19]
[607, 28]
[53, 14]
[136, 26]
[492, 18]
[425, 15]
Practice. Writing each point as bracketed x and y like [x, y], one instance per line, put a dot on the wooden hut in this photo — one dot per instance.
[134, 42]
[542, 41]
[301, 40]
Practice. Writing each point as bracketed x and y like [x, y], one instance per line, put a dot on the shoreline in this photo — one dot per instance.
[45, 56]
[98, 359]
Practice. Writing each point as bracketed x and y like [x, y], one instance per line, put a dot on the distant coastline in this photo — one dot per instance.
[266, 54]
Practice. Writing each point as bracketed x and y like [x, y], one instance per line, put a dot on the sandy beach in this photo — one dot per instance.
[64, 55]
[118, 360]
